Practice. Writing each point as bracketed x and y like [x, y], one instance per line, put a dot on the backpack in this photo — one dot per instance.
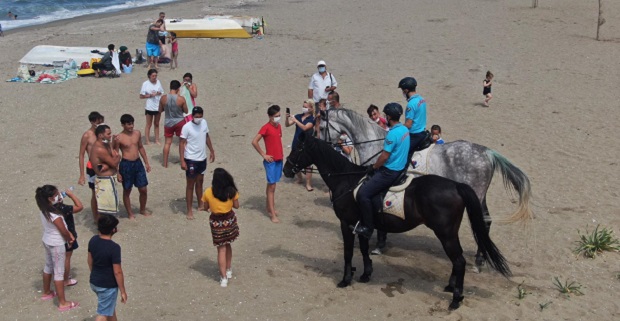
[85, 65]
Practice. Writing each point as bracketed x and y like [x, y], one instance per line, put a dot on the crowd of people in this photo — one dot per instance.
[122, 158]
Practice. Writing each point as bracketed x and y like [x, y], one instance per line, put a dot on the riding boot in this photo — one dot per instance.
[362, 230]
[366, 227]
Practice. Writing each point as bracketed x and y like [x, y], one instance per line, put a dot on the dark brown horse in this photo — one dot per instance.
[431, 200]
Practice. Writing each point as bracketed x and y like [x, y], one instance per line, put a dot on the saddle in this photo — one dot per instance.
[390, 201]
[426, 142]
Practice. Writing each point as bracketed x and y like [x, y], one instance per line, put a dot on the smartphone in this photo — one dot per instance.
[288, 110]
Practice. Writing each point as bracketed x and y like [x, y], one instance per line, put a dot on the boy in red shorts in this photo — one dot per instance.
[175, 107]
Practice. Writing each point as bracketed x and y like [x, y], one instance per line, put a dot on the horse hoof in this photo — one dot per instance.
[448, 288]
[365, 278]
[344, 284]
[456, 303]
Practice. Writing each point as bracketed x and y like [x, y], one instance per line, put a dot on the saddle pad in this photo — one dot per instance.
[421, 161]
[393, 202]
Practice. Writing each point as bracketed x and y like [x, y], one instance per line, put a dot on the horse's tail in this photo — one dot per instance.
[481, 234]
[514, 180]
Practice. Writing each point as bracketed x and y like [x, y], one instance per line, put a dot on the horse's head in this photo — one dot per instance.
[330, 128]
[299, 158]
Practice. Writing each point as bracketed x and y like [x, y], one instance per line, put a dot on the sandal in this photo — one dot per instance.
[48, 296]
[72, 305]
[71, 282]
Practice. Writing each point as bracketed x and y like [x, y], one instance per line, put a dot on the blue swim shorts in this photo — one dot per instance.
[152, 50]
[106, 300]
[273, 171]
[133, 173]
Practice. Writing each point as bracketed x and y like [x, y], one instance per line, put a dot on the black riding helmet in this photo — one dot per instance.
[408, 83]
[394, 110]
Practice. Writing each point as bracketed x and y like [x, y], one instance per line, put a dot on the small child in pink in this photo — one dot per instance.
[175, 50]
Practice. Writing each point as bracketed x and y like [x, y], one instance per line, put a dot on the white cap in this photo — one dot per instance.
[321, 62]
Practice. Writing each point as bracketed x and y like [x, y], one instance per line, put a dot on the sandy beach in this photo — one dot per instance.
[554, 114]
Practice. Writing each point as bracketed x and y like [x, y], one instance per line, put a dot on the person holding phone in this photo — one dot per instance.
[304, 122]
[321, 83]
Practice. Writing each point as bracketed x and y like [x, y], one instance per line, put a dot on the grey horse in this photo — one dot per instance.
[461, 161]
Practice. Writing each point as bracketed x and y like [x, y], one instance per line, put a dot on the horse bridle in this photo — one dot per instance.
[328, 138]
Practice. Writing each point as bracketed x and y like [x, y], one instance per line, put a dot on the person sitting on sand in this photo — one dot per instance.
[105, 64]
[124, 57]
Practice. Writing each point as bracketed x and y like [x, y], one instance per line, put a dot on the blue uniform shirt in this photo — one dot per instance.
[416, 111]
[397, 144]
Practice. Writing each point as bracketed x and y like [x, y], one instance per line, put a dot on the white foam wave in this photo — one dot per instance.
[67, 14]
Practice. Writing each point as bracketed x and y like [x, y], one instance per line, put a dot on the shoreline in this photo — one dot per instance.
[97, 16]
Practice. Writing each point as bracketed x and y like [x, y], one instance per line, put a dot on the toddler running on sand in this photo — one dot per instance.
[486, 90]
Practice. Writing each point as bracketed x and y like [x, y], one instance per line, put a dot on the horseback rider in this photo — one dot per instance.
[392, 161]
[415, 114]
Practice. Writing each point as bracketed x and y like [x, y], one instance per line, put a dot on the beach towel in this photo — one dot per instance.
[107, 196]
[188, 98]
[51, 76]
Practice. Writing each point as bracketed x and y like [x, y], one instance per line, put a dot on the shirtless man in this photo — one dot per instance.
[131, 171]
[174, 106]
[88, 139]
[105, 162]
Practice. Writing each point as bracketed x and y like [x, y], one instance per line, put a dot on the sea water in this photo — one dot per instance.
[35, 12]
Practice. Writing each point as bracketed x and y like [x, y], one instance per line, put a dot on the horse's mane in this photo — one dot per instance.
[331, 157]
[359, 121]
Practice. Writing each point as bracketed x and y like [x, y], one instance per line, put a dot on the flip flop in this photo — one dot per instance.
[72, 305]
[71, 282]
[49, 296]
[309, 189]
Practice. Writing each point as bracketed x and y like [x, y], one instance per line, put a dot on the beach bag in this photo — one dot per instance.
[22, 72]
[85, 65]
[139, 56]
[127, 69]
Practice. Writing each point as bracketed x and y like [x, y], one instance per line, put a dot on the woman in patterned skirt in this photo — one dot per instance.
[220, 199]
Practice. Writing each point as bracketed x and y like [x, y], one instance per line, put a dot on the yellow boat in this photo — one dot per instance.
[206, 28]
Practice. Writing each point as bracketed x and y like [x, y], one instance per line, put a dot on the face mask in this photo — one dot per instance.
[276, 119]
[197, 121]
[305, 110]
[105, 141]
[57, 199]
[377, 120]
[321, 69]
[405, 95]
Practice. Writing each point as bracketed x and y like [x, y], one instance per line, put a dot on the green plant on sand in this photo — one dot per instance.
[544, 305]
[596, 242]
[521, 293]
[567, 288]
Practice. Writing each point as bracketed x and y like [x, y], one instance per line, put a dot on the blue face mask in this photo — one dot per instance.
[321, 69]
